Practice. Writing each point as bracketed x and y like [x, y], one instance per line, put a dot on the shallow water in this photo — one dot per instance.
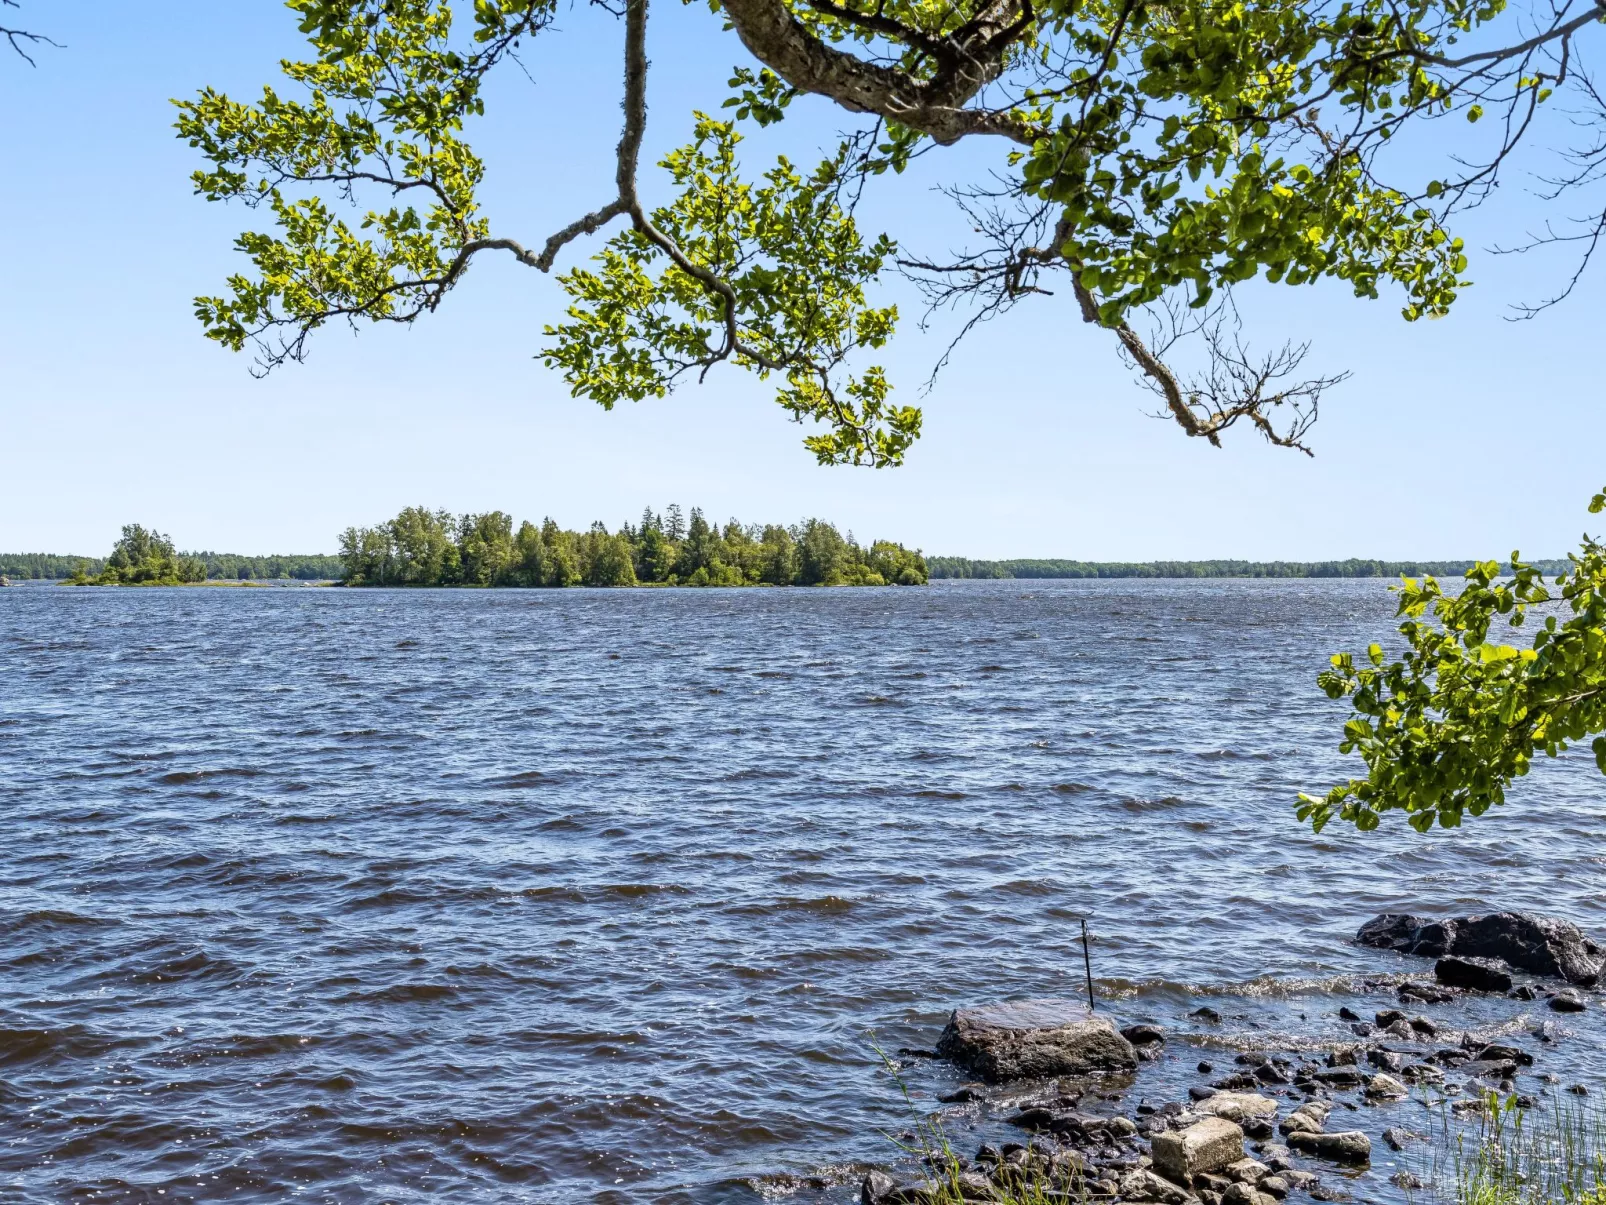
[599, 896]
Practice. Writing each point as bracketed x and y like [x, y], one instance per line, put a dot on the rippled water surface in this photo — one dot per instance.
[599, 896]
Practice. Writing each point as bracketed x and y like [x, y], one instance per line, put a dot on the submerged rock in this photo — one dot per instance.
[1033, 1039]
[1537, 944]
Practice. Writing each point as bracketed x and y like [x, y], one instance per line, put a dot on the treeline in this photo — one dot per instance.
[218, 566]
[421, 547]
[963, 567]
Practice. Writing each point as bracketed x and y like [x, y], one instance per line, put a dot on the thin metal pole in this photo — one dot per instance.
[1087, 965]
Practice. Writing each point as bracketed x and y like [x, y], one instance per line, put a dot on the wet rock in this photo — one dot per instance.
[1406, 1180]
[1275, 1187]
[974, 1187]
[959, 1096]
[1567, 1001]
[1307, 1119]
[1339, 1077]
[1033, 1039]
[1238, 1107]
[1386, 1087]
[1235, 1082]
[1348, 1014]
[1274, 1071]
[1389, 1016]
[1479, 974]
[987, 1153]
[1578, 1090]
[1206, 1068]
[1036, 1118]
[1398, 1136]
[1206, 1146]
[1144, 1185]
[1297, 1179]
[1240, 1194]
[1422, 1073]
[1496, 1052]
[1423, 1025]
[1385, 1059]
[1537, 944]
[1344, 1056]
[1276, 1157]
[1402, 1030]
[1211, 1182]
[1143, 1035]
[1346, 1146]
[1426, 993]
[1525, 991]
[1362, 1029]
[1246, 1171]
[1206, 1013]
[877, 1187]
[1197, 1093]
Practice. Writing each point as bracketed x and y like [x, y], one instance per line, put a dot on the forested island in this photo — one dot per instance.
[963, 567]
[215, 566]
[421, 547]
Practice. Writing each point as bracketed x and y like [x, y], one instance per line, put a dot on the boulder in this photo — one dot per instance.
[1246, 1171]
[876, 1188]
[1237, 1106]
[1347, 1146]
[1479, 974]
[1537, 944]
[1207, 1145]
[1142, 1035]
[1033, 1039]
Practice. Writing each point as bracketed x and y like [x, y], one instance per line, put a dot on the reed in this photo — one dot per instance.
[1551, 1154]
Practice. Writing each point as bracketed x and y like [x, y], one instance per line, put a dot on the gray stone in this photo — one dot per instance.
[1398, 1136]
[1347, 1146]
[1237, 1106]
[1479, 974]
[1386, 1087]
[1274, 1187]
[1208, 1145]
[1033, 1039]
[1246, 1171]
[1144, 1185]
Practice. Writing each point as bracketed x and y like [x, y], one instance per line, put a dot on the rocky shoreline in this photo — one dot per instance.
[1275, 1123]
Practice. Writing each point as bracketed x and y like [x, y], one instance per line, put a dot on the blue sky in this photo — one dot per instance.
[1467, 436]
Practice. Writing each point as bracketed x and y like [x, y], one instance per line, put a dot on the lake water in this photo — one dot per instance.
[604, 896]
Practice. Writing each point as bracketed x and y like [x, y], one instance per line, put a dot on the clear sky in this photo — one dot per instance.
[1467, 436]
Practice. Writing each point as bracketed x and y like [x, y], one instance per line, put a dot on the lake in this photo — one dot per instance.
[562, 896]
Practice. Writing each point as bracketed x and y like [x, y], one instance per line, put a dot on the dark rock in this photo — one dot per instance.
[1388, 1016]
[1426, 993]
[1206, 1068]
[1275, 1157]
[1344, 1056]
[1406, 1180]
[877, 1187]
[960, 1096]
[909, 1052]
[1032, 1119]
[1206, 1013]
[1398, 1136]
[1142, 1035]
[1361, 1029]
[1537, 944]
[1481, 975]
[1234, 1082]
[1198, 1093]
[1524, 991]
[1274, 1071]
[1386, 1060]
[1567, 1001]
[987, 1153]
[1578, 1090]
[1150, 1052]
[1033, 1039]
[1421, 1073]
[1274, 1186]
[1325, 1192]
[1339, 1077]
[1348, 1014]
[1423, 1025]
[1347, 1146]
[1495, 1053]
